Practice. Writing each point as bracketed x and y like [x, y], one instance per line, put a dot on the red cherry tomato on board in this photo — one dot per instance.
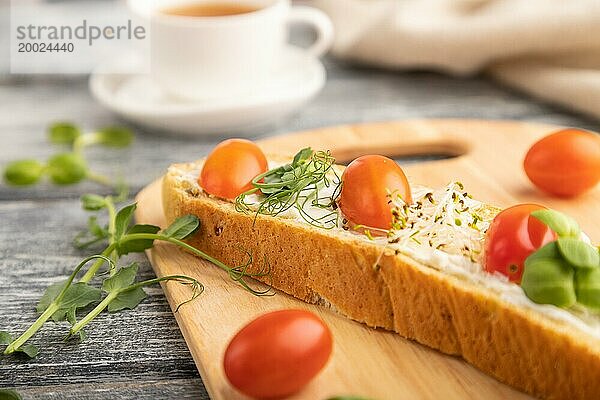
[229, 169]
[512, 236]
[366, 184]
[277, 354]
[565, 163]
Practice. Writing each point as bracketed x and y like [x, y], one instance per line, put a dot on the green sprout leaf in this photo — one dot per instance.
[63, 133]
[81, 333]
[182, 227]
[9, 394]
[28, 349]
[93, 202]
[578, 253]
[49, 295]
[127, 299]
[124, 277]
[587, 287]
[100, 232]
[71, 317]
[95, 228]
[560, 223]
[5, 337]
[66, 168]
[120, 281]
[23, 172]
[78, 295]
[547, 279]
[94, 234]
[302, 156]
[138, 245]
[123, 219]
[114, 136]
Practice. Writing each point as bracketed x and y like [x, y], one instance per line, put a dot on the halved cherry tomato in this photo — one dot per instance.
[366, 186]
[512, 236]
[565, 163]
[277, 354]
[229, 169]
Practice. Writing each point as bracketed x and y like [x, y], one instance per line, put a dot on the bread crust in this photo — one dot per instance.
[540, 356]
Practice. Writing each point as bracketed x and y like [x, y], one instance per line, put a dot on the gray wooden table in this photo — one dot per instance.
[141, 354]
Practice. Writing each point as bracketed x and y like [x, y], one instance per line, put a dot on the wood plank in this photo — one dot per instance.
[368, 362]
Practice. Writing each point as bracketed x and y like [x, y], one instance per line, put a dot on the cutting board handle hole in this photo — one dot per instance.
[404, 153]
[416, 158]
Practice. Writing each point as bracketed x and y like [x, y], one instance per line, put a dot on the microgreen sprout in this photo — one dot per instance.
[67, 167]
[445, 220]
[95, 233]
[298, 185]
[62, 300]
[123, 293]
[58, 300]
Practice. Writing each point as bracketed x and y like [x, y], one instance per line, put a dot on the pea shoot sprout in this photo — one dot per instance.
[70, 167]
[308, 182]
[62, 300]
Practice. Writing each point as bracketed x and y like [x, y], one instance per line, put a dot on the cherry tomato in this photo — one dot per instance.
[229, 169]
[565, 163]
[512, 236]
[366, 185]
[277, 354]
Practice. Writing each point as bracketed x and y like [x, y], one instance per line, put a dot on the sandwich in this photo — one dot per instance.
[365, 243]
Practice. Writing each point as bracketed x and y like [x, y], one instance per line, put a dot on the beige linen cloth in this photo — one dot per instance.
[548, 48]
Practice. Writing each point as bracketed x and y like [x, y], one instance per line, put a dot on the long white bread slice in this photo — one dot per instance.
[538, 355]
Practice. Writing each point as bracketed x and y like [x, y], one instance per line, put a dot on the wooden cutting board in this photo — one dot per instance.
[367, 362]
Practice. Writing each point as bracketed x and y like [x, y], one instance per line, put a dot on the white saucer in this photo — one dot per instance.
[137, 98]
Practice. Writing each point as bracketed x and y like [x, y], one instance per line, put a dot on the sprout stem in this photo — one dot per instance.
[101, 179]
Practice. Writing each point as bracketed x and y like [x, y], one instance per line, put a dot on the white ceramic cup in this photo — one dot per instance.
[212, 57]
